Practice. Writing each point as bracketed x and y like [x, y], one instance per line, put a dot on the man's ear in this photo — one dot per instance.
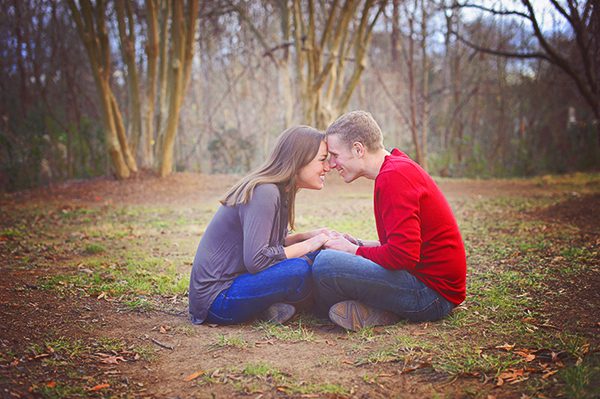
[358, 149]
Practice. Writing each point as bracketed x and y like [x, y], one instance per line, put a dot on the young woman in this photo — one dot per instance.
[246, 265]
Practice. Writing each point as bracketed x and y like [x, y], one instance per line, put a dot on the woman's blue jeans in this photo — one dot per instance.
[288, 281]
[339, 276]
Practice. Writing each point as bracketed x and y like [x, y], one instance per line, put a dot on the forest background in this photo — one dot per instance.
[468, 89]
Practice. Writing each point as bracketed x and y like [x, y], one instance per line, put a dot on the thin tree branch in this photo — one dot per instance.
[499, 52]
[491, 10]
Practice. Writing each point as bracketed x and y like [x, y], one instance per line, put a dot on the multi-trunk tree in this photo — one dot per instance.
[171, 27]
[330, 53]
[328, 43]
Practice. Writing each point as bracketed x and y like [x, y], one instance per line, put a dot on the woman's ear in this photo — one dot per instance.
[358, 149]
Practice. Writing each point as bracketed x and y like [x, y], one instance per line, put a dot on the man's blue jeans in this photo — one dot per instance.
[288, 281]
[340, 276]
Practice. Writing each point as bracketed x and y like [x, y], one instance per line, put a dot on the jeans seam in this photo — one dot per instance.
[415, 291]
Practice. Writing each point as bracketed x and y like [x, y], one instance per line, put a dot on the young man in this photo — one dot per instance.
[417, 269]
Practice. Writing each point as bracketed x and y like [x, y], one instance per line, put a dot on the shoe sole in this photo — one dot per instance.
[353, 315]
[279, 313]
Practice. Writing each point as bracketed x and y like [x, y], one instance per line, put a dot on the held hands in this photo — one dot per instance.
[331, 239]
[317, 241]
[324, 230]
[320, 237]
[341, 243]
[351, 239]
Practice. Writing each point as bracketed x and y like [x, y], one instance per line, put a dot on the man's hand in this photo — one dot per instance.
[351, 239]
[341, 244]
[324, 230]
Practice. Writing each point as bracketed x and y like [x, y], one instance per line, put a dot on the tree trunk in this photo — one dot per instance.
[127, 36]
[412, 89]
[182, 51]
[92, 30]
[395, 36]
[321, 56]
[152, 54]
[163, 71]
[425, 86]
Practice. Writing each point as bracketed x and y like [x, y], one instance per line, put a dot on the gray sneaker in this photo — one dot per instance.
[354, 315]
[278, 313]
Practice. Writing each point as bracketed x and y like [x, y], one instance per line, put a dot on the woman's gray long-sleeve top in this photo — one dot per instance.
[239, 239]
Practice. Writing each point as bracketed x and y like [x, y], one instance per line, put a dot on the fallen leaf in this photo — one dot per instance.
[51, 384]
[529, 357]
[549, 374]
[511, 376]
[102, 295]
[112, 359]
[585, 349]
[526, 354]
[99, 387]
[507, 347]
[193, 376]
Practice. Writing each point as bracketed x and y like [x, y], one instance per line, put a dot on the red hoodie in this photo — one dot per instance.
[416, 228]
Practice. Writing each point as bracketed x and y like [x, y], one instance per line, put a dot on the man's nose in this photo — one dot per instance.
[332, 163]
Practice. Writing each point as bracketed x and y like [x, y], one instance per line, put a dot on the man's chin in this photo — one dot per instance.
[349, 179]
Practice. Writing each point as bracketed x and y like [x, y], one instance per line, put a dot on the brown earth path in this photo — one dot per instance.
[29, 313]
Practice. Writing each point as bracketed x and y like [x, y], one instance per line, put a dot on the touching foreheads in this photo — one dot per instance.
[357, 126]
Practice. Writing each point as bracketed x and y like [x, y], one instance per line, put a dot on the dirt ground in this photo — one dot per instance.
[30, 314]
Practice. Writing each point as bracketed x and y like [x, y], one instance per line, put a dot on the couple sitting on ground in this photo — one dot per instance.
[247, 266]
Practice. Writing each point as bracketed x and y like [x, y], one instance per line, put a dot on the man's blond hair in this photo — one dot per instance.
[357, 126]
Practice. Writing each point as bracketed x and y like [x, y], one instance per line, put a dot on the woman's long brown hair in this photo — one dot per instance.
[294, 149]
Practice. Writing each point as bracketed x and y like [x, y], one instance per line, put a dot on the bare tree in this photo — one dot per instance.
[323, 51]
[581, 61]
[169, 57]
[91, 24]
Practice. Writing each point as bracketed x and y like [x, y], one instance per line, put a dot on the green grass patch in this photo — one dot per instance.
[139, 304]
[582, 380]
[60, 390]
[145, 352]
[387, 355]
[12, 233]
[106, 344]
[93, 249]
[65, 346]
[256, 375]
[456, 358]
[131, 279]
[224, 341]
[285, 332]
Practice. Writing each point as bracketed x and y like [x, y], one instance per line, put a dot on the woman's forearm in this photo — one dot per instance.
[295, 238]
[303, 247]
